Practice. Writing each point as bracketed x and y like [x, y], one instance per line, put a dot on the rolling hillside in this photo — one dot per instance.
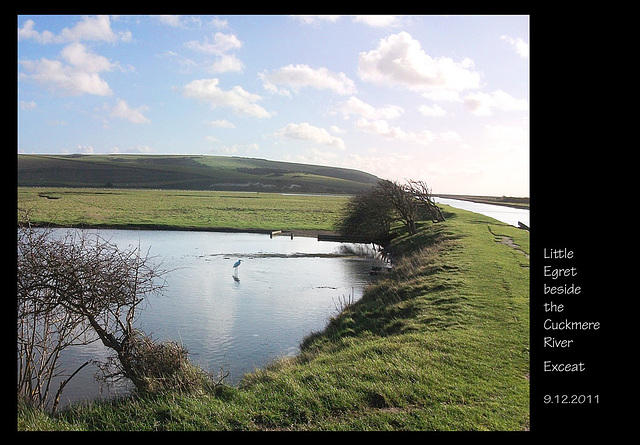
[187, 173]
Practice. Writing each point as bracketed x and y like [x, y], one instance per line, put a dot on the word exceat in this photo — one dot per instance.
[563, 367]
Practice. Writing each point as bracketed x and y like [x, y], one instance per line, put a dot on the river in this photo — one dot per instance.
[283, 290]
[509, 215]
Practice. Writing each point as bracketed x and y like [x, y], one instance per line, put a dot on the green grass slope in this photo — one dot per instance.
[187, 173]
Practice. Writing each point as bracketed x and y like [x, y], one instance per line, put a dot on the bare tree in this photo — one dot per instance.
[371, 213]
[420, 192]
[73, 290]
[44, 330]
[406, 207]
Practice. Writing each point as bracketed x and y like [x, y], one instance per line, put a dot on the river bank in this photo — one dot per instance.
[507, 201]
[310, 233]
[441, 343]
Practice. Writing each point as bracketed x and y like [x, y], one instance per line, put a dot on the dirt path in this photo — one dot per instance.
[507, 240]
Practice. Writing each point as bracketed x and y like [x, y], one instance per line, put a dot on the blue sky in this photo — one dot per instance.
[443, 99]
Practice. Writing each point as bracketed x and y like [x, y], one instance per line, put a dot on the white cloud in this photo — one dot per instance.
[171, 20]
[88, 29]
[392, 165]
[521, 47]
[358, 107]
[237, 98]
[218, 23]
[299, 76]
[220, 44]
[382, 128]
[95, 29]
[441, 95]
[508, 135]
[313, 19]
[81, 72]
[448, 136]
[483, 104]
[236, 148]
[399, 60]
[222, 123]
[84, 149]
[28, 32]
[123, 111]
[140, 149]
[433, 111]
[182, 21]
[227, 63]
[186, 65]
[30, 105]
[80, 76]
[306, 132]
[378, 21]
[82, 59]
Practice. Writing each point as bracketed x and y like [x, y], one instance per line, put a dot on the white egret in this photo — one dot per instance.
[235, 269]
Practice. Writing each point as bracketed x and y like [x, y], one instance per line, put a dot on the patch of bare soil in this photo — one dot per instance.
[507, 240]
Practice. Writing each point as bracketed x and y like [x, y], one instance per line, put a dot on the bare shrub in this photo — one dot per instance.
[157, 366]
[72, 290]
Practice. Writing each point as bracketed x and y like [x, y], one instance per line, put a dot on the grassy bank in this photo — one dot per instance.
[186, 209]
[441, 343]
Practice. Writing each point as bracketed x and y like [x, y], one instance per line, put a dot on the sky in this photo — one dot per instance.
[440, 99]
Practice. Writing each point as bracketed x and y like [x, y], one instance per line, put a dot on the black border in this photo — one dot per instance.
[570, 208]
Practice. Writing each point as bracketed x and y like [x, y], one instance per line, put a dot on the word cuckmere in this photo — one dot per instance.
[567, 325]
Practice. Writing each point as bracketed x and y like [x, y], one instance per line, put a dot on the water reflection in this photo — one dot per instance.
[237, 319]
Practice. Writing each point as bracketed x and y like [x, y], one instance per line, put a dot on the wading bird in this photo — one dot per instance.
[235, 269]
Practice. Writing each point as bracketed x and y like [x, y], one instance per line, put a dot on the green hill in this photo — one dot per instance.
[187, 172]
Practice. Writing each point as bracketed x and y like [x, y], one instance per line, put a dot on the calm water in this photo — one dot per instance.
[505, 214]
[284, 290]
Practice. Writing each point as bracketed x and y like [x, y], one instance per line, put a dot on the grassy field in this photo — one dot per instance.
[179, 209]
[441, 343]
